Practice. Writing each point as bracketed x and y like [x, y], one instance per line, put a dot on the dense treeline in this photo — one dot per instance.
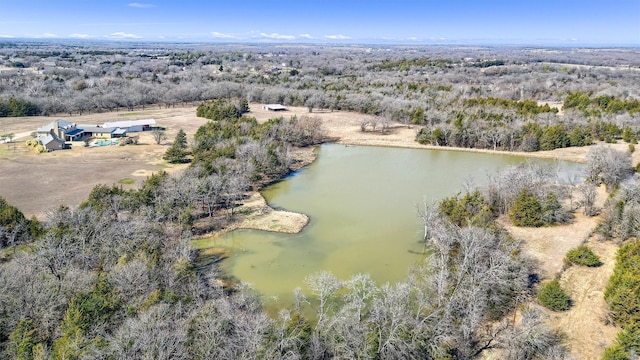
[621, 293]
[605, 103]
[421, 85]
[15, 229]
[262, 151]
[624, 301]
[14, 107]
[490, 131]
[525, 107]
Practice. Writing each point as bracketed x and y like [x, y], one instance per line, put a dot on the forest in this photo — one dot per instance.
[116, 277]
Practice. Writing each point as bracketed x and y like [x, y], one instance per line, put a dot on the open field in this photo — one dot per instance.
[36, 183]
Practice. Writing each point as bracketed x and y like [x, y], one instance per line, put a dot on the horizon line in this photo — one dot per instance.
[351, 42]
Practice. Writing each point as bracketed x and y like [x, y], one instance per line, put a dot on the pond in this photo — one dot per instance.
[363, 217]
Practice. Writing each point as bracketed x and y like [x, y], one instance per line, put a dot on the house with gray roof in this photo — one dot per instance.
[75, 132]
[52, 142]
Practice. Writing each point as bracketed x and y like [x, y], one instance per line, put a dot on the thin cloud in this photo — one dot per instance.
[42, 36]
[412, 38]
[123, 35]
[6, 36]
[79, 36]
[306, 36]
[277, 36]
[219, 35]
[337, 37]
[141, 6]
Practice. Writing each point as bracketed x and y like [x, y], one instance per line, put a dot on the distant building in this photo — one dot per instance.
[274, 107]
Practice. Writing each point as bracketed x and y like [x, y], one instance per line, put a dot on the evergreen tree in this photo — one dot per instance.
[552, 211]
[178, 152]
[527, 210]
[553, 296]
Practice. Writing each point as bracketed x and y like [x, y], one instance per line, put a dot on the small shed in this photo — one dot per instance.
[274, 107]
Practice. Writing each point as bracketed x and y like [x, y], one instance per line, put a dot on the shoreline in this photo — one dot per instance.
[258, 215]
[535, 155]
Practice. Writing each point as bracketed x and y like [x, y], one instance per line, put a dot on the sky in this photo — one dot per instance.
[472, 22]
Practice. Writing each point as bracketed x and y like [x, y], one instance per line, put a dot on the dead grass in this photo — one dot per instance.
[37, 183]
[585, 324]
[256, 214]
[548, 245]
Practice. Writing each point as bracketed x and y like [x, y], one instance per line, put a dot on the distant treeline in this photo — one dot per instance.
[523, 107]
[529, 137]
[497, 123]
[593, 105]
[15, 107]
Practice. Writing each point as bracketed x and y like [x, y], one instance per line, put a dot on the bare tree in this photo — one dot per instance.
[608, 166]
[589, 193]
[363, 124]
[158, 135]
[323, 285]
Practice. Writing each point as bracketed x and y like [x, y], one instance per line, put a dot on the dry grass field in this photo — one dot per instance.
[37, 183]
[585, 324]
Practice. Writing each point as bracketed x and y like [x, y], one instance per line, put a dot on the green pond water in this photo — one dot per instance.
[362, 207]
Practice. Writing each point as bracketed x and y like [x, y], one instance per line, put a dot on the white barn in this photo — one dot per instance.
[274, 107]
[131, 125]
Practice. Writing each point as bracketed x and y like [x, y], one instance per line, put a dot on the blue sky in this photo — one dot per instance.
[520, 22]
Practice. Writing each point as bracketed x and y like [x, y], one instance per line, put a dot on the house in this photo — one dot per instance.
[52, 142]
[96, 130]
[59, 128]
[64, 130]
[274, 107]
[68, 131]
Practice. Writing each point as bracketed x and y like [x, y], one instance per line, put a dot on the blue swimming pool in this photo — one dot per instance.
[106, 142]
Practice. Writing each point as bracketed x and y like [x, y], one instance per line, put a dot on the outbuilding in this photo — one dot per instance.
[131, 125]
[274, 107]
